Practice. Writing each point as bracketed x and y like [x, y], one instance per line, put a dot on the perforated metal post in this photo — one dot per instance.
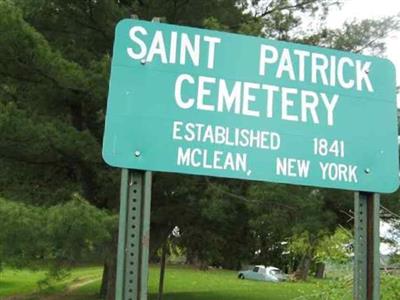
[134, 235]
[366, 246]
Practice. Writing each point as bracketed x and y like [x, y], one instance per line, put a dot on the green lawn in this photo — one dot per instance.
[12, 282]
[19, 282]
[181, 283]
[186, 283]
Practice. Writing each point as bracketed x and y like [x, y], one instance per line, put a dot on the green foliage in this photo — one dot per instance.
[390, 287]
[320, 247]
[283, 213]
[77, 230]
[362, 36]
[341, 289]
[22, 228]
[301, 244]
[55, 57]
[338, 289]
[214, 228]
[282, 18]
[55, 236]
[213, 24]
[51, 118]
[335, 248]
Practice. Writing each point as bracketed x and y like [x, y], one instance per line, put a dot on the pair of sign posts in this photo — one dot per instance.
[202, 102]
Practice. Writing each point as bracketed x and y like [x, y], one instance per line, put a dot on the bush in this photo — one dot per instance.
[57, 236]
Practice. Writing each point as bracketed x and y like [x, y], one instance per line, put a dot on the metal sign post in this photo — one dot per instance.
[366, 246]
[134, 232]
[134, 235]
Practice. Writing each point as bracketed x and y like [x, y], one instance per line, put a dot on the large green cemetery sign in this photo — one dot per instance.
[203, 102]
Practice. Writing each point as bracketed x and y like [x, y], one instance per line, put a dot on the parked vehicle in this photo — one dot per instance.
[263, 273]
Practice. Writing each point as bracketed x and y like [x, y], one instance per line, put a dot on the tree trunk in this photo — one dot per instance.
[103, 287]
[107, 289]
[162, 270]
[303, 268]
[319, 272]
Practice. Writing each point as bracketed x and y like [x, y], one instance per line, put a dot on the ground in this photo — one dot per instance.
[182, 283]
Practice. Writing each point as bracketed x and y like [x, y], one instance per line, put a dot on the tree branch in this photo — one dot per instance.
[284, 7]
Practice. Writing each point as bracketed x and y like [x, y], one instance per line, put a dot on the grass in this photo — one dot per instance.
[187, 283]
[181, 283]
[21, 282]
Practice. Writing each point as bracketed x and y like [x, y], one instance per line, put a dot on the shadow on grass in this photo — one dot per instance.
[53, 297]
[215, 296]
[168, 296]
[6, 285]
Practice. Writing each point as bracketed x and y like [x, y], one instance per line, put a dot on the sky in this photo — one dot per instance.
[373, 9]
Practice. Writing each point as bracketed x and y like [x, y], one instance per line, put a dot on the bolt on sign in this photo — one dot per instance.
[195, 101]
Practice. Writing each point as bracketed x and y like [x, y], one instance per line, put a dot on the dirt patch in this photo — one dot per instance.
[80, 283]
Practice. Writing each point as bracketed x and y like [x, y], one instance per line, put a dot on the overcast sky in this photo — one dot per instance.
[371, 9]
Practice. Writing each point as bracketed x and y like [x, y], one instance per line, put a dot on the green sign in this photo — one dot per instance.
[194, 101]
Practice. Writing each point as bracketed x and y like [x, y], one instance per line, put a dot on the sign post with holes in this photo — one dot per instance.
[134, 235]
[195, 101]
[366, 246]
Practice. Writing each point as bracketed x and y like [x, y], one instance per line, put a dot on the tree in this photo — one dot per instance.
[289, 213]
[55, 58]
[336, 247]
[60, 235]
[213, 226]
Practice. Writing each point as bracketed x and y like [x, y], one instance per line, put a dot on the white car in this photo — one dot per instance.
[263, 273]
